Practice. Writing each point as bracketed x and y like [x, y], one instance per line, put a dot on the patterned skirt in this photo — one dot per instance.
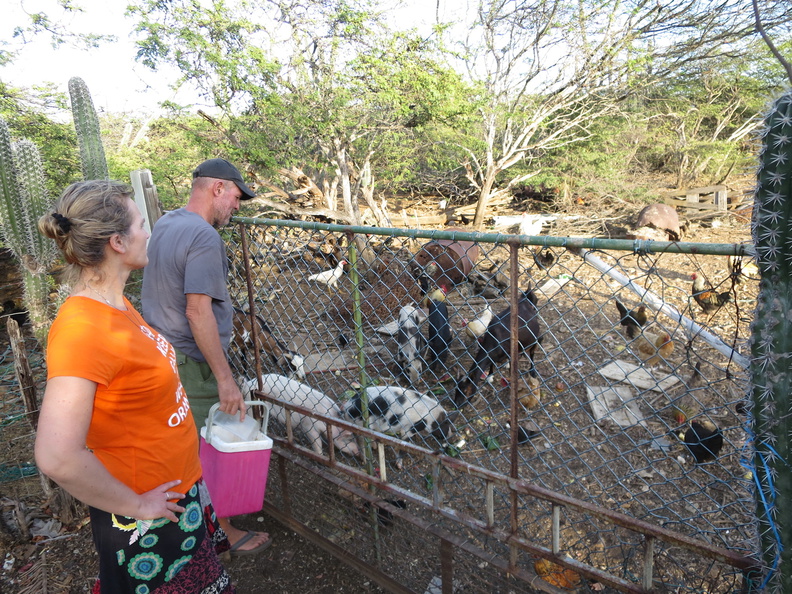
[160, 556]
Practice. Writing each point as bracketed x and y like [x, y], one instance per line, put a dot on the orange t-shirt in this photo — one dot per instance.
[142, 429]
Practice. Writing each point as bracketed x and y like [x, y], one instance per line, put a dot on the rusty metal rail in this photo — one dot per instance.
[292, 451]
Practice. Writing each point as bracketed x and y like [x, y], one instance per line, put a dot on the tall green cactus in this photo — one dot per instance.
[86, 122]
[24, 200]
[771, 344]
[11, 217]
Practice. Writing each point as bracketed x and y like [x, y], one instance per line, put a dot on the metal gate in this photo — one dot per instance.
[622, 463]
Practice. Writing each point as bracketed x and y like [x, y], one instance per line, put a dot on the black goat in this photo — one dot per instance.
[438, 337]
[495, 345]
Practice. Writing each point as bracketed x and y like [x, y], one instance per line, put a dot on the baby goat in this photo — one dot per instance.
[410, 341]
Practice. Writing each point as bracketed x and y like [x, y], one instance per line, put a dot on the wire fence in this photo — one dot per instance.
[628, 396]
[613, 456]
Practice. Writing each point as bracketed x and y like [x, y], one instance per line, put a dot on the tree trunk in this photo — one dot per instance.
[483, 201]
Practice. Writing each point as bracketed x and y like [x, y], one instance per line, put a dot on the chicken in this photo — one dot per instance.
[329, 277]
[741, 268]
[632, 320]
[478, 327]
[653, 347]
[704, 440]
[706, 296]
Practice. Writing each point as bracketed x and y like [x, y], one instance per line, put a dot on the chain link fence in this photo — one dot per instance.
[568, 469]
[616, 446]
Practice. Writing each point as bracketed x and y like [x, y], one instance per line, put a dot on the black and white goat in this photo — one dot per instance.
[408, 336]
[495, 344]
[285, 360]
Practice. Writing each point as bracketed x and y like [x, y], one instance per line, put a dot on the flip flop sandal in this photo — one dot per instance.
[237, 552]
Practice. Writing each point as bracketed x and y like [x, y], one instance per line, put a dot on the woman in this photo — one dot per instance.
[115, 428]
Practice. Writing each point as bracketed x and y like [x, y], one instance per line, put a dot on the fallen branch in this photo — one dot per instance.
[304, 212]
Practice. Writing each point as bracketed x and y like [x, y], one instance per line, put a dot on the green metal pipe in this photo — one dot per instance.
[595, 243]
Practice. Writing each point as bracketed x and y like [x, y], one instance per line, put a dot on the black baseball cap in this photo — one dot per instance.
[222, 169]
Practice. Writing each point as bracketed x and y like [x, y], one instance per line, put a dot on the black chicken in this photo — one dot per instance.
[632, 320]
[704, 440]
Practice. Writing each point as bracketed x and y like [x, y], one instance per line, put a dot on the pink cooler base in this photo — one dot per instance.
[236, 480]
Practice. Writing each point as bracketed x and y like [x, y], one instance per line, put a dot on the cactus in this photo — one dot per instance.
[86, 122]
[24, 200]
[771, 344]
[11, 223]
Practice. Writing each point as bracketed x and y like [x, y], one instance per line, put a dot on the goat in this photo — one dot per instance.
[495, 345]
[438, 337]
[410, 341]
[242, 340]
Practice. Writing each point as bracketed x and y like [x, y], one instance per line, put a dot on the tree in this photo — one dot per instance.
[48, 22]
[551, 68]
[320, 86]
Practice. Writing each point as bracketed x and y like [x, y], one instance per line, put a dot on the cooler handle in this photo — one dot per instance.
[263, 423]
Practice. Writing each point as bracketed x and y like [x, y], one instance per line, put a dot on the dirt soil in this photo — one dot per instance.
[67, 564]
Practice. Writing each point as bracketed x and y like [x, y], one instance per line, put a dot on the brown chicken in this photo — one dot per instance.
[652, 348]
[632, 320]
[707, 297]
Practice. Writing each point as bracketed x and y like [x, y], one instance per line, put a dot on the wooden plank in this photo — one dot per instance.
[704, 190]
[617, 404]
[691, 205]
[720, 199]
[24, 375]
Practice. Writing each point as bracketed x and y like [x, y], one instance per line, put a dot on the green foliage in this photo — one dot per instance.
[770, 341]
[29, 114]
[89, 136]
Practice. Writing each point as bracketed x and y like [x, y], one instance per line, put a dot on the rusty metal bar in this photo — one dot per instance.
[514, 353]
[518, 486]
[514, 378]
[463, 543]
[285, 492]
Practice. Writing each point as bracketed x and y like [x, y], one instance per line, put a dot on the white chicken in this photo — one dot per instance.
[329, 277]
[478, 327]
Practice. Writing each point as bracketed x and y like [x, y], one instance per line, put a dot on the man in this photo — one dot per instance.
[185, 297]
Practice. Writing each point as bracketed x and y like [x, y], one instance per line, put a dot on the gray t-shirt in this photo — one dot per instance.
[186, 255]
